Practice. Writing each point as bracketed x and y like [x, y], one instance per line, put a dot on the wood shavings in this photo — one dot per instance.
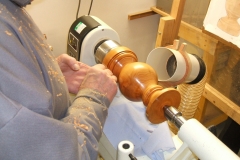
[94, 115]
[84, 126]
[78, 124]
[8, 33]
[44, 36]
[59, 95]
[43, 45]
[20, 28]
[97, 93]
[52, 72]
[61, 79]
[83, 143]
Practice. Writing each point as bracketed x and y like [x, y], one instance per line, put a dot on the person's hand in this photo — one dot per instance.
[73, 71]
[101, 79]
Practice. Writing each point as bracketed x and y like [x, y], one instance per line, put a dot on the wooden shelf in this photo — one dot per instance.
[141, 14]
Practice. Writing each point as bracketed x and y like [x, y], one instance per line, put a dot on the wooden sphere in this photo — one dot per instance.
[135, 78]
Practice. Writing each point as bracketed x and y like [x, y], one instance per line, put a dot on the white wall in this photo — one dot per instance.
[54, 17]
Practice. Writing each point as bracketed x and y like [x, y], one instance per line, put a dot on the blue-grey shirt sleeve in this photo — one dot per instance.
[87, 115]
[28, 135]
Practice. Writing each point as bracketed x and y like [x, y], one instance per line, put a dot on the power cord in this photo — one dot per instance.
[79, 4]
[90, 7]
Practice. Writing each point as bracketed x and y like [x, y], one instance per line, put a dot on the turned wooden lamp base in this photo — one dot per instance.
[139, 82]
[159, 99]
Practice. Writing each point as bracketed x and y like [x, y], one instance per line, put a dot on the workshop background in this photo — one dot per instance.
[54, 17]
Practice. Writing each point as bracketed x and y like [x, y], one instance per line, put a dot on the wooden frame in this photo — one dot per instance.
[170, 28]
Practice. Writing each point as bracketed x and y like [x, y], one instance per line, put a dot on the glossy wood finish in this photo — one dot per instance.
[136, 78]
[138, 81]
[116, 59]
[159, 99]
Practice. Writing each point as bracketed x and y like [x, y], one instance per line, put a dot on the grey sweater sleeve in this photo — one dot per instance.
[34, 124]
[26, 135]
[87, 115]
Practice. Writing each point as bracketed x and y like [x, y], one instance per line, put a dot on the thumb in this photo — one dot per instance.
[75, 67]
[71, 62]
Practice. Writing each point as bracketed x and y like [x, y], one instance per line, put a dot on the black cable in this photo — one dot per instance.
[90, 7]
[79, 2]
[132, 157]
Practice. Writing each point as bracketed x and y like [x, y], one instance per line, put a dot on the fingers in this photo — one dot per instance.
[114, 78]
[72, 62]
[83, 65]
[99, 66]
[106, 70]
[65, 59]
[101, 79]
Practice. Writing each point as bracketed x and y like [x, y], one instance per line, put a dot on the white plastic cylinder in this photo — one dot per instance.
[124, 149]
[158, 59]
[171, 65]
[203, 143]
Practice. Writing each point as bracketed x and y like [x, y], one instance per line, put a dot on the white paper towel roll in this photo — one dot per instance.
[124, 149]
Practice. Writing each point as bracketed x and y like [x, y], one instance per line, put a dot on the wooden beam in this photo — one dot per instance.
[170, 24]
[193, 34]
[176, 13]
[197, 37]
[221, 40]
[164, 31]
[141, 14]
[208, 59]
[201, 109]
[222, 102]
